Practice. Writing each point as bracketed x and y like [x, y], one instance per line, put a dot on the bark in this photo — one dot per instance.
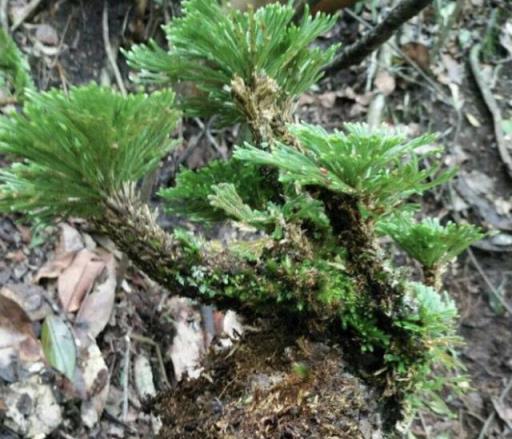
[374, 38]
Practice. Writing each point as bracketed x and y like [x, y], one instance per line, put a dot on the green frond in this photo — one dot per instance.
[226, 198]
[380, 167]
[13, 66]
[429, 242]
[75, 151]
[190, 196]
[211, 45]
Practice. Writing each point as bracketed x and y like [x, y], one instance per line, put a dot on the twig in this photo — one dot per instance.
[492, 105]
[492, 416]
[126, 376]
[374, 38]
[488, 282]
[110, 53]
[161, 364]
[26, 12]
[407, 58]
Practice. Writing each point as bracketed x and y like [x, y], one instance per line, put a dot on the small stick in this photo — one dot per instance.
[406, 57]
[110, 53]
[492, 105]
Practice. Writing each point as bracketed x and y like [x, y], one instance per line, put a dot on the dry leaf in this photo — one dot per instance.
[78, 279]
[19, 347]
[385, 83]
[418, 53]
[29, 297]
[473, 120]
[94, 379]
[53, 269]
[96, 308]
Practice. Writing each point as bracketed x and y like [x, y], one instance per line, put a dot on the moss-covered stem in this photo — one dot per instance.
[211, 273]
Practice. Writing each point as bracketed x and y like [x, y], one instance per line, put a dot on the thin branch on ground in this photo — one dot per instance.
[374, 38]
[493, 107]
[110, 52]
[436, 88]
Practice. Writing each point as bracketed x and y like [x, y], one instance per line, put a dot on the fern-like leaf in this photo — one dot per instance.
[77, 150]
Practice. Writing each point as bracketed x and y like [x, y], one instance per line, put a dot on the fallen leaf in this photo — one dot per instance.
[19, 347]
[29, 297]
[78, 279]
[53, 269]
[418, 53]
[385, 82]
[473, 120]
[59, 345]
[187, 348]
[94, 380]
[97, 307]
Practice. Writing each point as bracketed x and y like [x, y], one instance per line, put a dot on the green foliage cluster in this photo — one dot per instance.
[429, 242]
[379, 167]
[76, 150]
[212, 44]
[14, 68]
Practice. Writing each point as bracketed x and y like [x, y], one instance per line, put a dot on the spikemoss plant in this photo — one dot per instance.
[316, 199]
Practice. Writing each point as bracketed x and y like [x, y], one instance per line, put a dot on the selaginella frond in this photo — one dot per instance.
[319, 200]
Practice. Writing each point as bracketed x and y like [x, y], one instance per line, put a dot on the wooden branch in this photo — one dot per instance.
[358, 51]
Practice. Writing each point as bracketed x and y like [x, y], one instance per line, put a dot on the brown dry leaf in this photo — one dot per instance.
[96, 308]
[418, 53]
[78, 279]
[385, 82]
[29, 297]
[53, 269]
[18, 342]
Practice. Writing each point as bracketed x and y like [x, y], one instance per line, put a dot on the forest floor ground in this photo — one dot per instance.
[438, 92]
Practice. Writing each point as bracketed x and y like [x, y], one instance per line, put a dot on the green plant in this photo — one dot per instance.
[14, 69]
[316, 200]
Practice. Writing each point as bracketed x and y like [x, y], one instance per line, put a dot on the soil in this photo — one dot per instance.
[287, 407]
